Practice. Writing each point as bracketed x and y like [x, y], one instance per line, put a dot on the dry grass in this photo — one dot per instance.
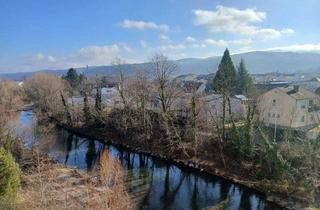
[53, 186]
[111, 176]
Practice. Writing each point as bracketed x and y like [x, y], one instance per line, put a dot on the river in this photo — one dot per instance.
[152, 183]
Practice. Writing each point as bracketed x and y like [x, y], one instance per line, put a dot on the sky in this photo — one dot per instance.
[60, 34]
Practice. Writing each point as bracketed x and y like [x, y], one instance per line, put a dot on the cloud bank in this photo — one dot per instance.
[236, 21]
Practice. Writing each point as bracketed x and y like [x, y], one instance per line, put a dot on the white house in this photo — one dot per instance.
[213, 106]
[109, 96]
[292, 106]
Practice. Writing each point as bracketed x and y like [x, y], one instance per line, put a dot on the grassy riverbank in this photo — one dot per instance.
[32, 180]
[49, 185]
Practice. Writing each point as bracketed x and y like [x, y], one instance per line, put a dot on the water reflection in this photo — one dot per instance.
[152, 183]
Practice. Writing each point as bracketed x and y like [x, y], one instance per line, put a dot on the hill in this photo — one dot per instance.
[257, 62]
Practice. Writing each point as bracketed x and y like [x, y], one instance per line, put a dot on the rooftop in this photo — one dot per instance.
[298, 92]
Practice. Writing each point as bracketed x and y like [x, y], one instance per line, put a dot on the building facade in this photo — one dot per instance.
[293, 107]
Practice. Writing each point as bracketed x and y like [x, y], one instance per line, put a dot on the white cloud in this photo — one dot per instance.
[236, 21]
[142, 25]
[225, 43]
[240, 42]
[226, 19]
[297, 48]
[202, 45]
[287, 31]
[40, 57]
[219, 43]
[190, 39]
[95, 54]
[164, 38]
[33, 62]
[51, 58]
[143, 44]
[172, 47]
[127, 48]
[266, 33]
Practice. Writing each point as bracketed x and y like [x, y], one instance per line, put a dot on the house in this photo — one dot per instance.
[213, 106]
[76, 101]
[198, 87]
[204, 88]
[293, 107]
[109, 96]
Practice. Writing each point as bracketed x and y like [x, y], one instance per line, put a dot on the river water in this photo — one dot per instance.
[152, 183]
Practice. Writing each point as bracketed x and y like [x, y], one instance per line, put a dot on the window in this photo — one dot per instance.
[269, 114]
[302, 119]
[273, 115]
[278, 115]
[274, 102]
[303, 104]
[310, 103]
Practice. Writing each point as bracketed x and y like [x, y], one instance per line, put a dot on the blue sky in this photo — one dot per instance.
[55, 34]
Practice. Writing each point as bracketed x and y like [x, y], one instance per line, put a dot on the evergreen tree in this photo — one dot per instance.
[244, 79]
[9, 176]
[225, 80]
[74, 78]
[225, 83]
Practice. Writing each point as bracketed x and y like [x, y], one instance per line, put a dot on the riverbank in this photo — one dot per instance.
[233, 172]
[46, 183]
[54, 186]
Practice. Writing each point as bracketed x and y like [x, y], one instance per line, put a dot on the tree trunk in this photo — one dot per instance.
[223, 117]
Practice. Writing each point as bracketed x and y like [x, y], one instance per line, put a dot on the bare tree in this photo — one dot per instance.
[118, 65]
[10, 94]
[139, 91]
[195, 106]
[45, 91]
[10, 99]
[164, 70]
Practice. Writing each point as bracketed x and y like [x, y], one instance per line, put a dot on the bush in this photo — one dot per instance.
[9, 176]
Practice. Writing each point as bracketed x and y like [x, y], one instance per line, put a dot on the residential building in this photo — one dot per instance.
[76, 101]
[213, 106]
[292, 106]
[109, 96]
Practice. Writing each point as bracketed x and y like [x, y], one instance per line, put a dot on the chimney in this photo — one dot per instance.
[296, 88]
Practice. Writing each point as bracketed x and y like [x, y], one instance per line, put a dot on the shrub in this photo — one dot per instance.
[9, 176]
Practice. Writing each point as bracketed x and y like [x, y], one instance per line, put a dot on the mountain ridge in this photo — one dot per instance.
[256, 62]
